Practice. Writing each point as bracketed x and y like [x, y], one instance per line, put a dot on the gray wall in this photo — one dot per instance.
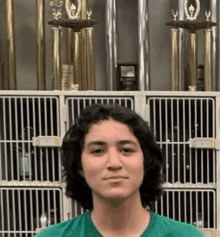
[160, 13]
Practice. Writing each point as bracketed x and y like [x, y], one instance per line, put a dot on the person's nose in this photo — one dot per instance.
[114, 161]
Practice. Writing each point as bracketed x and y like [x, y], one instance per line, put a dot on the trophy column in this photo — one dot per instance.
[57, 63]
[77, 59]
[208, 59]
[174, 35]
[41, 80]
[88, 75]
[11, 63]
[1, 72]
[70, 45]
[90, 58]
[111, 39]
[214, 10]
[144, 49]
[56, 50]
[70, 42]
[83, 44]
[192, 59]
[88, 35]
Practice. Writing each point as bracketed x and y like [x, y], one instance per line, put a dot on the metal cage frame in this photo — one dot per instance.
[170, 114]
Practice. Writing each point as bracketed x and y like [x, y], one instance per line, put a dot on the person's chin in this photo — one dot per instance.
[116, 195]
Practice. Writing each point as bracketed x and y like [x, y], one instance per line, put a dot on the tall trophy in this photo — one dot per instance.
[192, 25]
[80, 38]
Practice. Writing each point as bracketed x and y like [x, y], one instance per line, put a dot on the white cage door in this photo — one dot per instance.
[190, 174]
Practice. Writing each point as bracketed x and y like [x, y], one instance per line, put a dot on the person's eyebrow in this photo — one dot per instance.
[128, 141]
[95, 143]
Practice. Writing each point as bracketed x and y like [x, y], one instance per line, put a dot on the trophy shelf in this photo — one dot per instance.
[76, 25]
[192, 25]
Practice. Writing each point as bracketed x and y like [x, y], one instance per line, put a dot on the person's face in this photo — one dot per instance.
[110, 149]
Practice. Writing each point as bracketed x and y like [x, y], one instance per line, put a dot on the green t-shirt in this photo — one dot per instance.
[82, 226]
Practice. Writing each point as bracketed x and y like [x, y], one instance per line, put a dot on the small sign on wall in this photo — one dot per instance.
[127, 76]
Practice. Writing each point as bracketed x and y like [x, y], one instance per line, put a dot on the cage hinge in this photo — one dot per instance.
[47, 141]
[147, 113]
[204, 143]
[64, 113]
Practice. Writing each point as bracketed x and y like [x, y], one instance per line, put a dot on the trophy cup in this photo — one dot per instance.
[79, 24]
[72, 11]
[192, 25]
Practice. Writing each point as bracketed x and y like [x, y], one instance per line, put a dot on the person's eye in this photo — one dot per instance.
[127, 150]
[97, 151]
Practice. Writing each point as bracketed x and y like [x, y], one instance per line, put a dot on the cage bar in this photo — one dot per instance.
[30, 209]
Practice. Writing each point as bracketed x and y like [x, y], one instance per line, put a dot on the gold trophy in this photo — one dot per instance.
[80, 41]
[192, 25]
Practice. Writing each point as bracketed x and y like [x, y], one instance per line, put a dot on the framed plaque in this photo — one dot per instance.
[127, 76]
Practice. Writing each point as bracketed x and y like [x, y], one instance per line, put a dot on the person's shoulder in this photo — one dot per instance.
[63, 228]
[177, 228]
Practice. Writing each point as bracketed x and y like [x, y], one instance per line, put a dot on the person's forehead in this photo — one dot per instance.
[110, 129]
[105, 125]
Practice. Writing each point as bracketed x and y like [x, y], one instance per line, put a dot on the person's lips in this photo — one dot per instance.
[116, 177]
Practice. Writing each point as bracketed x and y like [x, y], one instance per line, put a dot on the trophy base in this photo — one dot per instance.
[76, 25]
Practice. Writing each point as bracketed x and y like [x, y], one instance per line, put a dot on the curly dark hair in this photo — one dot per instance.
[73, 141]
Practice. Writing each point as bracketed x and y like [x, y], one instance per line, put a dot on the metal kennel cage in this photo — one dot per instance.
[184, 128]
[32, 124]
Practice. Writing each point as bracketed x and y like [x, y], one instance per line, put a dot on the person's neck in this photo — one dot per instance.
[125, 217]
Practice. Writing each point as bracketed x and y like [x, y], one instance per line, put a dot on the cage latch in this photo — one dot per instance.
[204, 143]
[47, 141]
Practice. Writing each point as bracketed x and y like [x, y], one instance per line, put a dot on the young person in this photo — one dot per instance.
[112, 167]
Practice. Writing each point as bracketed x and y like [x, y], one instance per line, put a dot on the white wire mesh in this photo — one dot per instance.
[22, 118]
[176, 120]
[191, 206]
[76, 105]
[25, 210]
